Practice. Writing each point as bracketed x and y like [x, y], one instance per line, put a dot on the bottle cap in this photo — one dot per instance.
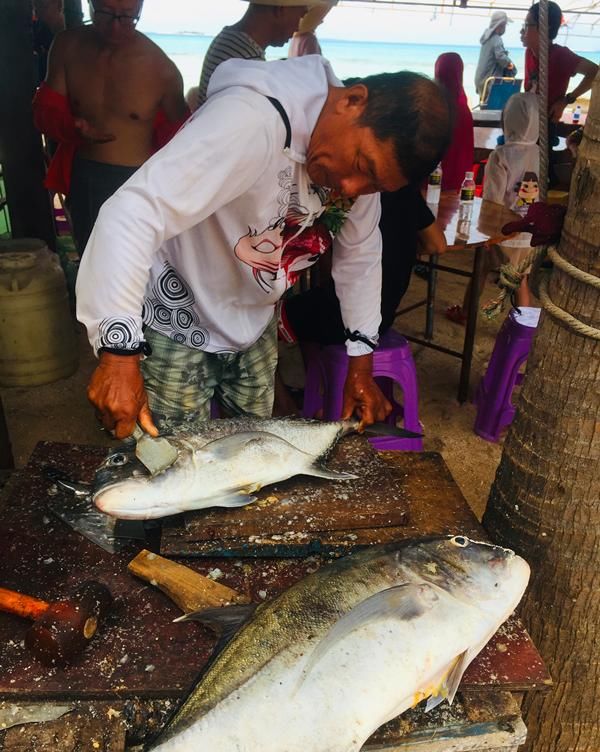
[469, 175]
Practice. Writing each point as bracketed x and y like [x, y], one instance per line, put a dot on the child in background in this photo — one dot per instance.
[459, 156]
[511, 179]
[511, 176]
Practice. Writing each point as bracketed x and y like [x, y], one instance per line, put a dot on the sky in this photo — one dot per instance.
[361, 22]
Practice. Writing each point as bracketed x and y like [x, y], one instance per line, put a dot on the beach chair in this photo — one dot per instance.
[497, 91]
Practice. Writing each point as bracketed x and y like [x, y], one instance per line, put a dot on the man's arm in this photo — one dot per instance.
[431, 240]
[173, 110]
[588, 70]
[55, 75]
[188, 180]
[52, 114]
[356, 271]
[173, 101]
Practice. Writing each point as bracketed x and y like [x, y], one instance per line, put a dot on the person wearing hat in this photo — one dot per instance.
[266, 23]
[304, 41]
[493, 57]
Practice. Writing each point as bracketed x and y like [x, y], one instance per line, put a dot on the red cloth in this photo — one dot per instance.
[543, 221]
[562, 64]
[164, 129]
[460, 154]
[52, 116]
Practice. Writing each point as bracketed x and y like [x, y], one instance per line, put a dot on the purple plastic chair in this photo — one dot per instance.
[495, 409]
[326, 368]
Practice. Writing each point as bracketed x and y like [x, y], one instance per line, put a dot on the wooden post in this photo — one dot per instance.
[21, 153]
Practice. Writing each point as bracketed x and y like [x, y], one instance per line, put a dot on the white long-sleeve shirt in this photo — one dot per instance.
[197, 244]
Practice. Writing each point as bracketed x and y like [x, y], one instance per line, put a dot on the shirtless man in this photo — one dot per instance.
[111, 98]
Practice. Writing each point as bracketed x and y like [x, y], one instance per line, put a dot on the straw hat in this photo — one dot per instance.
[287, 3]
[310, 21]
[498, 18]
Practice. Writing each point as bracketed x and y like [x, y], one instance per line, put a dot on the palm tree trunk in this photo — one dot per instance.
[545, 500]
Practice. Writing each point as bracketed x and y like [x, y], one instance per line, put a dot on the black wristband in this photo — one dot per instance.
[570, 98]
[358, 337]
[142, 349]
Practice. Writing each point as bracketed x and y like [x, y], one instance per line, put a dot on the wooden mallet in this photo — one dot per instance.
[61, 630]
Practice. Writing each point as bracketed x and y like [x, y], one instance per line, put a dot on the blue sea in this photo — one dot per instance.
[348, 58]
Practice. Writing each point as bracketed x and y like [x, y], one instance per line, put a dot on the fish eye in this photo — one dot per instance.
[117, 460]
[460, 541]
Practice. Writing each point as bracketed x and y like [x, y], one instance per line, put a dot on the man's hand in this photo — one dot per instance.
[116, 390]
[556, 109]
[362, 396]
[92, 134]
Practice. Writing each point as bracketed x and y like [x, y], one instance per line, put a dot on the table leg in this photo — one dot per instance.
[431, 285]
[471, 326]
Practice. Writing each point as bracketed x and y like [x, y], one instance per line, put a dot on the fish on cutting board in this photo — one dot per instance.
[344, 650]
[219, 463]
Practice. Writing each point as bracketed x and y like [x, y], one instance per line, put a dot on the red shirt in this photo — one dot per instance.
[562, 64]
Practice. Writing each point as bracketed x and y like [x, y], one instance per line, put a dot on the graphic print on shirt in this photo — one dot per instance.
[528, 192]
[118, 333]
[294, 239]
[169, 309]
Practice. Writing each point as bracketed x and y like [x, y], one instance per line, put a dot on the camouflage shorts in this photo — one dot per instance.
[180, 380]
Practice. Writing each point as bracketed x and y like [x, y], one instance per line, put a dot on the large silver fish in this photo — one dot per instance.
[323, 665]
[219, 463]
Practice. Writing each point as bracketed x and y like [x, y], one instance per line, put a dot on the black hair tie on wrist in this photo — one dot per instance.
[142, 349]
[358, 337]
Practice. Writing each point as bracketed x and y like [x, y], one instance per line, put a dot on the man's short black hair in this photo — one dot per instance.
[415, 113]
[554, 17]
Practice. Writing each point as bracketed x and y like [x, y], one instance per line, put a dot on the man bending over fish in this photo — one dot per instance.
[179, 280]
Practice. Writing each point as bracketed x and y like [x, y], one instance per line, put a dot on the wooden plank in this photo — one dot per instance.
[98, 728]
[297, 517]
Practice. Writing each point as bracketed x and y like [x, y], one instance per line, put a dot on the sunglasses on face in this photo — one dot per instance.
[108, 16]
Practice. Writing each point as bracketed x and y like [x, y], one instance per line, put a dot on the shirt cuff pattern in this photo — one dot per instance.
[120, 335]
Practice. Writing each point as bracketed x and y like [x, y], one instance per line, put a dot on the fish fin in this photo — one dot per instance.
[223, 620]
[320, 471]
[449, 685]
[234, 499]
[433, 701]
[404, 602]
[229, 447]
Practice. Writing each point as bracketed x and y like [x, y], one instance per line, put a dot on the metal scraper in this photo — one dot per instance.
[156, 454]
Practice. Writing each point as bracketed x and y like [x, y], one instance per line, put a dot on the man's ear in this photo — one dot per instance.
[353, 99]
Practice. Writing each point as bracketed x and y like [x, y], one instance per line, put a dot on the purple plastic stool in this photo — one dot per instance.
[326, 368]
[495, 409]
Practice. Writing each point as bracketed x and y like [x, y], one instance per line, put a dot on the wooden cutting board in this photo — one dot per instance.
[139, 651]
[303, 515]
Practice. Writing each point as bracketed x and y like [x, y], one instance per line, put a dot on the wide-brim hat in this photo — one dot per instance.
[286, 3]
[310, 21]
[498, 18]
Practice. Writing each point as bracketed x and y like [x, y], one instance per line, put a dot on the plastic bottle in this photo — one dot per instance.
[577, 114]
[434, 186]
[467, 196]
